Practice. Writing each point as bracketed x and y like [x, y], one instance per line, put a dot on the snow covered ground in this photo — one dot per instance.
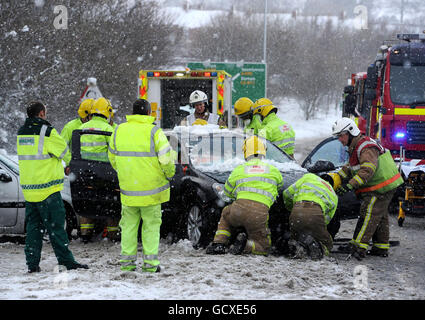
[192, 275]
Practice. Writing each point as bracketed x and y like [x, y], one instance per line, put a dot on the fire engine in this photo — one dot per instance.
[388, 103]
[168, 93]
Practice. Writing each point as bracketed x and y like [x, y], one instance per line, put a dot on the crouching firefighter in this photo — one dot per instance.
[373, 175]
[312, 203]
[254, 185]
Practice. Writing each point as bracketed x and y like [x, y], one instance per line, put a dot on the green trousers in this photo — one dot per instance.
[47, 215]
[129, 224]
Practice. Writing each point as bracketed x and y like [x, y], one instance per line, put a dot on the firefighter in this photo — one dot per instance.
[84, 113]
[312, 202]
[40, 153]
[243, 110]
[95, 147]
[254, 185]
[373, 175]
[199, 100]
[273, 128]
[145, 167]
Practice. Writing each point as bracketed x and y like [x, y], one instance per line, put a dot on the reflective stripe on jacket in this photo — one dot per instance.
[279, 132]
[144, 160]
[40, 153]
[93, 146]
[254, 180]
[312, 188]
[385, 175]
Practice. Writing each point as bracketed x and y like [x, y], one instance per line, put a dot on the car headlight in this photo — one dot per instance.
[219, 191]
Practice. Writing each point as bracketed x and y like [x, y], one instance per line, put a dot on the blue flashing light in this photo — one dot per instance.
[150, 74]
[213, 74]
[400, 135]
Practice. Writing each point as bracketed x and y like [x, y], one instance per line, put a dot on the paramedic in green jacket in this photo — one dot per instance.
[84, 113]
[312, 202]
[41, 151]
[145, 167]
[274, 129]
[255, 186]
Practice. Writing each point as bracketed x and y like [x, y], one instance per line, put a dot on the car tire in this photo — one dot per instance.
[197, 227]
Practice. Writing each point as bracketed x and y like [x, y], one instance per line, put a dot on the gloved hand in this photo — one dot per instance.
[344, 188]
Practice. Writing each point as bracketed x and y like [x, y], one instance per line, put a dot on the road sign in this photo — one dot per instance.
[249, 78]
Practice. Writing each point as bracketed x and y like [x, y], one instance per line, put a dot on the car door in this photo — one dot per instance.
[331, 154]
[10, 202]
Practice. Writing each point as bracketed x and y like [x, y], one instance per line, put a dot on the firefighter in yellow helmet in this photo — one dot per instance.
[84, 115]
[95, 147]
[273, 128]
[244, 111]
[254, 185]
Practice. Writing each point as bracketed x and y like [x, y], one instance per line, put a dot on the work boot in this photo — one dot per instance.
[76, 265]
[216, 248]
[86, 238]
[357, 252]
[345, 248]
[34, 269]
[239, 244]
[313, 247]
[378, 252]
[296, 250]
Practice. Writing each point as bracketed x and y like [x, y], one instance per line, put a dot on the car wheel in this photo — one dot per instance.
[197, 227]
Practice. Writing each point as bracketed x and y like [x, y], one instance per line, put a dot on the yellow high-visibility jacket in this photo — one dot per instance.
[40, 153]
[144, 160]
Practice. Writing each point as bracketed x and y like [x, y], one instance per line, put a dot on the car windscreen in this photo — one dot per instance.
[407, 84]
[332, 151]
[219, 153]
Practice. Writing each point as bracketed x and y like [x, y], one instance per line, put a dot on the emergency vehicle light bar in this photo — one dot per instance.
[205, 74]
[410, 36]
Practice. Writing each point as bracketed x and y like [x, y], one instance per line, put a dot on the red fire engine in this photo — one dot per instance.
[388, 103]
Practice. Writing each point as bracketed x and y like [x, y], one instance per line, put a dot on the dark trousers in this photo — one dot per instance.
[251, 215]
[373, 221]
[307, 218]
[47, 215]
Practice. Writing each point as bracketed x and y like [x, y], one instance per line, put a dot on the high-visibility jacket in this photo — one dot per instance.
[93, 146]
[385, 175]
[254, 180]
[212, 118]
[279, 132]
[40, 153]
[254, 126]
[312, 188]
[144, 160]
[67, 130]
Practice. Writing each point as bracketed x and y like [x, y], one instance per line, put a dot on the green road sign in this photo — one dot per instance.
[249, 78]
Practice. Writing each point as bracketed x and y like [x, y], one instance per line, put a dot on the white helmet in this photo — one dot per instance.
[196, 97]
[345, 124]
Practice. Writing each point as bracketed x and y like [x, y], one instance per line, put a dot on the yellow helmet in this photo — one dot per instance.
[252, 146]
[243, 107]
[102, 106]
[200, 122]
[263, 106]
[333, 178]
[85, 108]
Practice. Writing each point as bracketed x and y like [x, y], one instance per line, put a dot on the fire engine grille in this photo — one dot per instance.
[416, 132]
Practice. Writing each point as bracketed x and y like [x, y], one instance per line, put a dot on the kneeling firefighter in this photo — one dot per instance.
[312, 202]
[254, 185]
